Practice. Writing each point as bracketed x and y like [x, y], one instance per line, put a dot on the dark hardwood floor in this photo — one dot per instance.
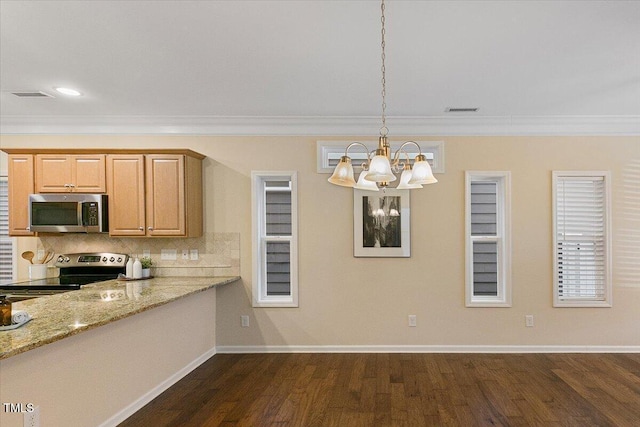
[403, 389]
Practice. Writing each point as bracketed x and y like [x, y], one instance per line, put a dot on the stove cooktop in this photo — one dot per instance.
[76, 270]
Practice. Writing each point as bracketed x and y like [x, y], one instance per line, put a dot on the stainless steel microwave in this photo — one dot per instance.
[68, 213]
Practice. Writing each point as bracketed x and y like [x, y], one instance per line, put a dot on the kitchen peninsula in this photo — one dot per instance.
[96, 355]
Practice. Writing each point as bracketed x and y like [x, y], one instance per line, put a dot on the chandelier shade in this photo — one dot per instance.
[405, 178]
[343, 174]
[422, 173]
[380, 170]
[364, 184]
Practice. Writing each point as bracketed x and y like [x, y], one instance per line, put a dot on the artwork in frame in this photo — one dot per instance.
[381, 223]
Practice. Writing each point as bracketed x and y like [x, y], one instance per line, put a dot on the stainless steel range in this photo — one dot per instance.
[76, 270]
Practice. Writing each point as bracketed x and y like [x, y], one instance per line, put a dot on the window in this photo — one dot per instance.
[488, 248]
[275, 235]
[328, 154]
[6, 244]
[581, 239]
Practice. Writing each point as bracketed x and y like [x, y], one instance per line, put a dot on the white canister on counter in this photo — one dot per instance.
[137, 269]
[129, 268]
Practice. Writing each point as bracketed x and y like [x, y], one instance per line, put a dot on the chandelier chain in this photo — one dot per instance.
[383, 130]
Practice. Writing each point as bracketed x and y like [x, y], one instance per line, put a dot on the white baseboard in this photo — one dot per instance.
[429, 349]
[156, 391]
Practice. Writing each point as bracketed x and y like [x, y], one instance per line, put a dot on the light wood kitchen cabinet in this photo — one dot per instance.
[126, 193]
[21, 184]
[166, 202]
[78, 173]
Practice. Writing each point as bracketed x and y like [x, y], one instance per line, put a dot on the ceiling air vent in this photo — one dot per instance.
[31, 94]
[461, 109]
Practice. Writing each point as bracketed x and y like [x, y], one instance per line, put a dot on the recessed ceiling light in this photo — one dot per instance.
[67, 91]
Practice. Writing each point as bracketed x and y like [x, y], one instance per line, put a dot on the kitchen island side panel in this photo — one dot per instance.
[102, 376]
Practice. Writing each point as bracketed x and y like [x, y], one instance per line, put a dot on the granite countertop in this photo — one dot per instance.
[55, 317]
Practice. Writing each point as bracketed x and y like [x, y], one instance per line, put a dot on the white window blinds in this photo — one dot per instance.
[6, 249]
[581, 239]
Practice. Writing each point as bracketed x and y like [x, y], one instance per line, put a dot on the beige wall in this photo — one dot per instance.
[347, 301]
[103, 375]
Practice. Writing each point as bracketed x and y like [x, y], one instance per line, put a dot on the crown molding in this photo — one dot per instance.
[321, 126]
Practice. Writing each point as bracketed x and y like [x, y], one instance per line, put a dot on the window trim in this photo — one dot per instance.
[608, 301]
[260, 239]
[502, 238]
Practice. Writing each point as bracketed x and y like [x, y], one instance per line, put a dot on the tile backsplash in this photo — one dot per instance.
[218, 253]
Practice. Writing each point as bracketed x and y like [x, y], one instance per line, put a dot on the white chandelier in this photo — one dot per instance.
[380, 171]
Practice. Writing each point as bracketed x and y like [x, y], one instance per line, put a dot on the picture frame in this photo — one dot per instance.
[381, 223]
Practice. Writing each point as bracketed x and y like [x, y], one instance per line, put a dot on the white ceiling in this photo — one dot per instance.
[216, 66]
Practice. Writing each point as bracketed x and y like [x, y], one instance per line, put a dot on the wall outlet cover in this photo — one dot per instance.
[413, 320]
[528, 320]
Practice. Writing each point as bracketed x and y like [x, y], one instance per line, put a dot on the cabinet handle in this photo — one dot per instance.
[141, 228]
[150, 228]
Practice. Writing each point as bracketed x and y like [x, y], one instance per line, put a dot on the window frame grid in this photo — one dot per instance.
[502, 238]
[607, 302]
[261, 239]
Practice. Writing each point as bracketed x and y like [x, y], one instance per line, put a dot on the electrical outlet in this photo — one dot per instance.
[194, 254]
[146, 253]
[32, 419]
[528, 320]
[245, 320]
[185, 254]
[413, 320]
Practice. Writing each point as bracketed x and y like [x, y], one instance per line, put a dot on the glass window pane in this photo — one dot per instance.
[278, 213]
[278, 268]
[484, 219]
[485, 268]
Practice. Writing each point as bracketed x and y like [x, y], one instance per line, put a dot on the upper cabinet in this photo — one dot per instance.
[155, 195]
[20, 186]
[150, 192]
[77, 173]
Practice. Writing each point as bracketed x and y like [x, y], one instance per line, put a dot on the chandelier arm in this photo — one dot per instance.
[397, 156]
[366, 149]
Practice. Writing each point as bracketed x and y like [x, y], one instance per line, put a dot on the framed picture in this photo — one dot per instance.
[381, 223]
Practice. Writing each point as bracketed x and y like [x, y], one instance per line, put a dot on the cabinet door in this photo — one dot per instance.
[21, 184]
[165, 195]
[88, 173]
[61, 173]
[53, 173]
[126, 194]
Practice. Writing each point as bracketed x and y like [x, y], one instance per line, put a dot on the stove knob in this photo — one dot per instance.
[112, 259]
[119, 259]
[60, 258]
[67, 259]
